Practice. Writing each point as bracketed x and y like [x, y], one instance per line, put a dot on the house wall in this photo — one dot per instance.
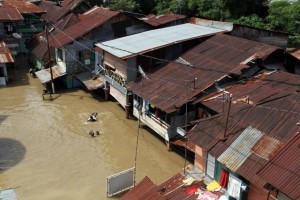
[153, 123]
[179, 120]
[200, 158]
[257, 193]
[260, 35]
[72, 56]
[131, 69]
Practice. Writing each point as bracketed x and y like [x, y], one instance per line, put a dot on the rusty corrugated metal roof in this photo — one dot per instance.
[145, 189]
[296, 53]
[172, 189]
[217, 56]
[9, 13]
[159, 20]
[283, 170]
[25, 7]
[54, 12]
[277, 118]
[253, 91]
[91, 83]
[88, 21]
[45, 76]
[5, 55]
[239, 151]
[71, 4]
[38, 44]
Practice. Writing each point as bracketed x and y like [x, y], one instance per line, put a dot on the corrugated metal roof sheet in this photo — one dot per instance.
[239, 151]
[158, 20]
[172, 189]
[5, 55]
[54, 12]
[26, 7]
[154, 39]
[9, 13]
[38, 46]
[277, 117]
[217, 56]
[71, 4]
[8, 194]
[283, 170]
[145, 189]
[88, 21]
[296, 53]
[253, 91]
[45, 76]
[90, 82]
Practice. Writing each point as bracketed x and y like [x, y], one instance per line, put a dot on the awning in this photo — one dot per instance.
[91, 81]
[45, 75]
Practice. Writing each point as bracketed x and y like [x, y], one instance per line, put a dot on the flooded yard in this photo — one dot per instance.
[46, 152]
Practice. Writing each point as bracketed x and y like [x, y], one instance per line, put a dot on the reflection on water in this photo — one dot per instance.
[61, 160]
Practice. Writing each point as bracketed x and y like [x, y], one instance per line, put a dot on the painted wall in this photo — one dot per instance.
[200, 158]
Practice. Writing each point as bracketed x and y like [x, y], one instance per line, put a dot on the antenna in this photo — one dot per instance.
[140, 69]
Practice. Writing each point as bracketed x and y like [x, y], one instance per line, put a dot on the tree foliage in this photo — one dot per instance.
[126, 5]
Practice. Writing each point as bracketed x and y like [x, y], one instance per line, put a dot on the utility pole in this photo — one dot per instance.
[49, 55]
[228, 111]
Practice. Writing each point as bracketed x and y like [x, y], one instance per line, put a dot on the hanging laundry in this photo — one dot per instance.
[207, 196]
[224, 178]
[191, 190]
[213, 186]
[234, 187]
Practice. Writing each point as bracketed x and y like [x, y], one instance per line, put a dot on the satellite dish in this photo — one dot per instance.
[17, 36]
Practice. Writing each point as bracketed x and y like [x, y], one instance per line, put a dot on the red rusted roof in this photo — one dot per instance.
[54, 12]
[5, 55]
[70, 4]
[171, 189]
[277, 118]
[296, 53]
[90, 20]
[38, 45]
[159, 20]
[9, 13]
[283, 170]
[25, 7]
[253, 91]
[214, 58]
[146, 189]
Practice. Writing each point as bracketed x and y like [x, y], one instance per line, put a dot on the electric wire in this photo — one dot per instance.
[210, 70]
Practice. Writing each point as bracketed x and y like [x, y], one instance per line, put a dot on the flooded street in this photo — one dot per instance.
[46, 152]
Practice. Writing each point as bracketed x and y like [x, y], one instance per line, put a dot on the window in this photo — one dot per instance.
[60, 54]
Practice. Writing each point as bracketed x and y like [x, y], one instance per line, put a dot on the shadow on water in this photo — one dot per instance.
[12, 152]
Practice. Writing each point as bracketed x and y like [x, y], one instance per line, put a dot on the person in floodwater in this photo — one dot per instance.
[93, 117]
[92, 133]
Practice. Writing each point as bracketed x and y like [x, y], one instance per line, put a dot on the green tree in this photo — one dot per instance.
[125, 5]
[284, 16]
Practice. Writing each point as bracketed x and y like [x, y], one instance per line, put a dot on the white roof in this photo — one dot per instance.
[150, 40]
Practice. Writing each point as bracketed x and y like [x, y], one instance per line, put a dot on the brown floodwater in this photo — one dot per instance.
[46, 152]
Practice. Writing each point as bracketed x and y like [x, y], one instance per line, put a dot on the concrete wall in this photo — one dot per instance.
[260, 35]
